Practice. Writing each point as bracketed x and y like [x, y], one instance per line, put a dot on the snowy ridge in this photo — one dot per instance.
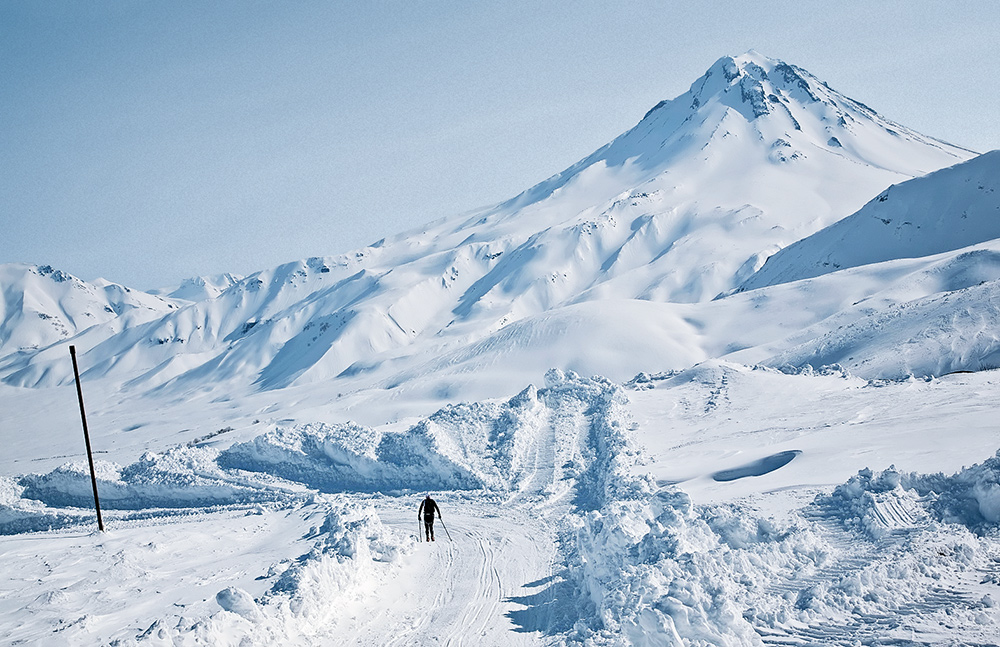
[686, 205]
[43, 305]
[946, 210]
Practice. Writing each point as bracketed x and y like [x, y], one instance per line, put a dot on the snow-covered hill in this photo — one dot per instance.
[688, 204]
[943, 211]
[42, 305]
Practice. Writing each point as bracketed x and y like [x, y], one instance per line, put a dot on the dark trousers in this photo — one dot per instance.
[429, 528]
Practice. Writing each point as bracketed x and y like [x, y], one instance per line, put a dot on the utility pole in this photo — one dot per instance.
[86, 437]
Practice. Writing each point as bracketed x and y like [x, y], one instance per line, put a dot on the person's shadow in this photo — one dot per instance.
[551, 610]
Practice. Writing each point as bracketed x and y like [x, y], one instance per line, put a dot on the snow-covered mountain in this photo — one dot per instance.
[943, 211]
[776, 475]
[42, 305]
[199, 288]
[686, 205]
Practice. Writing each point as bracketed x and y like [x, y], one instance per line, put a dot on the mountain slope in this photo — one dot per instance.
[946, 210]
[42, 305]
[688, 204]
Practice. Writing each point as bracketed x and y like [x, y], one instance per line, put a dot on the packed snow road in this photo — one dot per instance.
[466, 590]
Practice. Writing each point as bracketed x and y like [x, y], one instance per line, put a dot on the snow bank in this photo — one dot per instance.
[461, 447]
[18, 514]
[633, 551]
[651, 568]
[352, 552]
[657, 570]
[179, 478]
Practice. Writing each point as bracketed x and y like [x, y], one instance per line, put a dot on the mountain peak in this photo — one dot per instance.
[757, 85]
[767, 113]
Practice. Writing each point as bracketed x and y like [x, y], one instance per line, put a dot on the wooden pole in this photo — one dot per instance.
[86, 437]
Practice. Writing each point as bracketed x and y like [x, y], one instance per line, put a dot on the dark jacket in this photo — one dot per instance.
[427, 508]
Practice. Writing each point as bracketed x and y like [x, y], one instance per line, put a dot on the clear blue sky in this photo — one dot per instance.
[147, 142]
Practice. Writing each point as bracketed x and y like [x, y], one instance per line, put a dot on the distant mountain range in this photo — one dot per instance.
[647, 255]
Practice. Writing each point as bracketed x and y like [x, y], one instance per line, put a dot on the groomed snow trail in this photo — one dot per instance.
[490, 583]
[459, 591]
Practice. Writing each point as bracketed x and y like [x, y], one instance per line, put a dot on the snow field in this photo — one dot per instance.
[210, 578]
[566, 531]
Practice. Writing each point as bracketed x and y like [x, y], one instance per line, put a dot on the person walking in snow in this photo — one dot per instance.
[427, 509]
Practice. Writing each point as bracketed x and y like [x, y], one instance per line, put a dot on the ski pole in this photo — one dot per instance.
[445, 528]
[420, 536]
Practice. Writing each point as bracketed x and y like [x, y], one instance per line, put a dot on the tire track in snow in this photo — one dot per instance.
[904, 624]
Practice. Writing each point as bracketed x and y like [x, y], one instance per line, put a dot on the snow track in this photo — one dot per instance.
[918, 613]
[458, 591]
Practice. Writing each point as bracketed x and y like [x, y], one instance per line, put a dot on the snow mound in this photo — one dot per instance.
[970, 498]
[461, 447]
[351, 553]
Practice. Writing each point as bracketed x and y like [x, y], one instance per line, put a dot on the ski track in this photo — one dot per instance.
[462, 591]
[456, 592]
